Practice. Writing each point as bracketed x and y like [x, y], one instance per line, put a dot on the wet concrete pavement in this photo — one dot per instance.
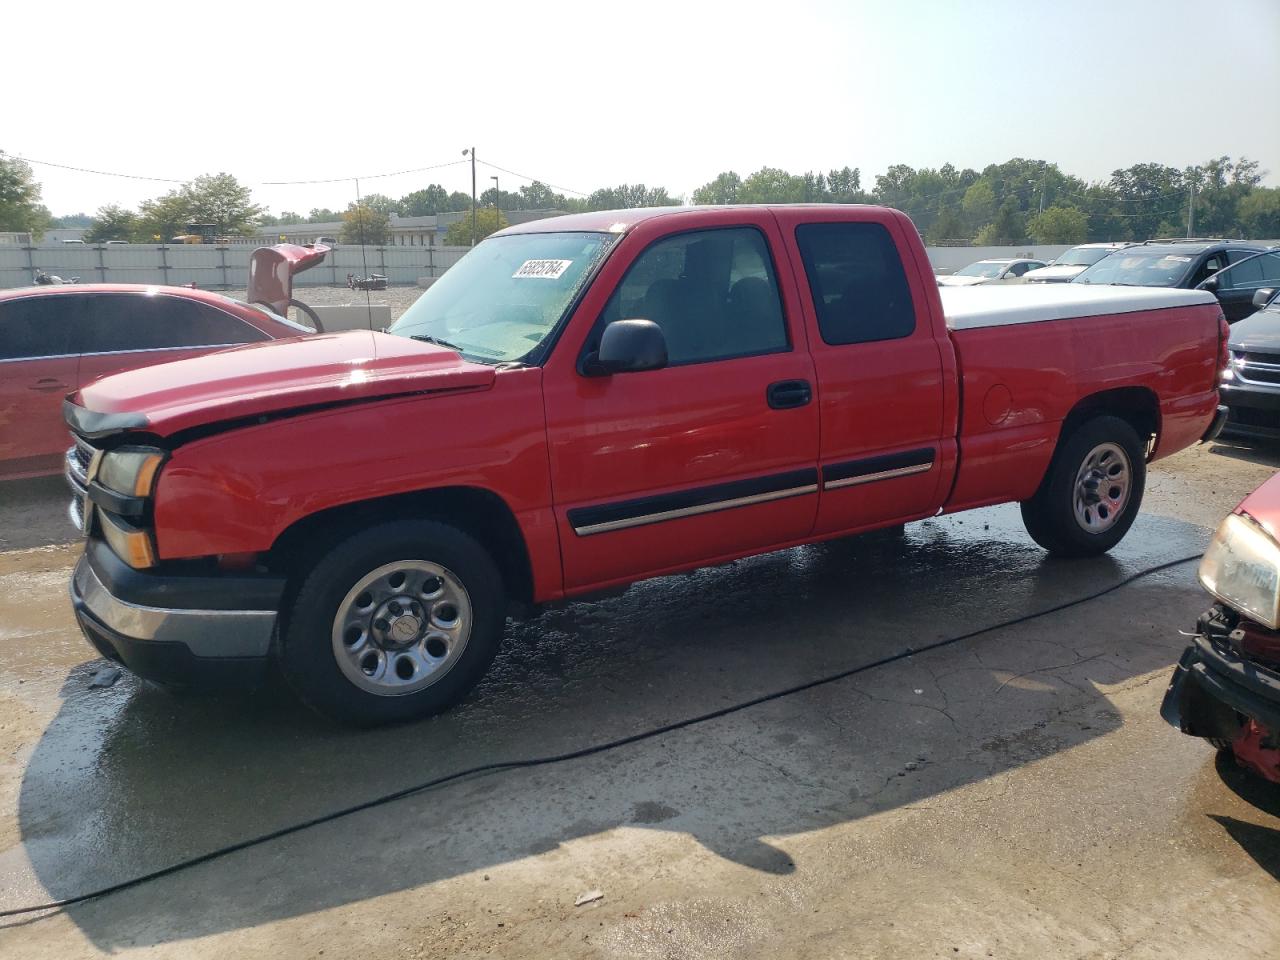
[1011, 795]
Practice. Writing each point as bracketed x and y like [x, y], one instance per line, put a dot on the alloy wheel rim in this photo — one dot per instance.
[402, 627]
[1102, 488]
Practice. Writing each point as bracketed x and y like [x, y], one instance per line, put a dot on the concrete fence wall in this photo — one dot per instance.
[227, 267]
[211, 267]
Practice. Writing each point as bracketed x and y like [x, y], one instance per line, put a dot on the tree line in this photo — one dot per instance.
[1014, 202]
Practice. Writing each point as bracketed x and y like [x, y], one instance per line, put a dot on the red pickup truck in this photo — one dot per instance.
[588, 401]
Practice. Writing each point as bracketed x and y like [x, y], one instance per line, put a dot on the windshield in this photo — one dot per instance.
[1082, 256]
[983, 268]
[1139, 268]
[502, 299]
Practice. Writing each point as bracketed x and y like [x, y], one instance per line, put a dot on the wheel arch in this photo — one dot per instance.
[1137, 406]
[475, 510]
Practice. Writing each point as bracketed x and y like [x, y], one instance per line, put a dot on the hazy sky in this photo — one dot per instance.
[584, 95]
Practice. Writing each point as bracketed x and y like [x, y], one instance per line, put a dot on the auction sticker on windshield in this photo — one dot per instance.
[542, 269]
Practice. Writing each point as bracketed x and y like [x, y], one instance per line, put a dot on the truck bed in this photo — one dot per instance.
[1021, 373]
[1001, 304]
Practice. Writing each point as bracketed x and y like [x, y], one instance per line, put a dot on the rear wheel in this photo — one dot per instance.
[1091, 492]
[396, 622]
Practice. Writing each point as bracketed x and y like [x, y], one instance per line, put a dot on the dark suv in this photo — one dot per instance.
[1177, 263]
[1251, 386]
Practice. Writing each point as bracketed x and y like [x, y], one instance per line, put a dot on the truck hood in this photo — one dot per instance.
[1264, 506]
[1257, 332]
[269, 378]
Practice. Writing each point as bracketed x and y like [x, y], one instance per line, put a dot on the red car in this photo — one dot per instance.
[54, 340]
[590, 400]
[1226, 687]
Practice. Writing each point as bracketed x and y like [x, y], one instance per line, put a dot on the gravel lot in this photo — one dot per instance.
[398, 298]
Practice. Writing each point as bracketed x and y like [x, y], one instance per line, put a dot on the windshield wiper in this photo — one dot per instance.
[427, 338]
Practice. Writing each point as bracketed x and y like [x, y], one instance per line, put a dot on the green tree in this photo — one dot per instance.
[845, 186]
[629, 195]
[1259, 213]
[426, 202]
[322, 215]
[948, 225]
[361, 224]
[380, 203]
[113, 222]
[487, 221]
[71, 220]
[1007, 227]
[538, 196]
[1059, 225]
[163, 218]
[20, 207]
[774, 185]
[223, 201]
[979, 204]
[723, 189]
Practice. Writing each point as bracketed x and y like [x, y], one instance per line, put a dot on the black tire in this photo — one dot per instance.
[1050, 515]
[307, 656]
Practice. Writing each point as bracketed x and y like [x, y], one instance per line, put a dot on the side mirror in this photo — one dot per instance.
[1211, 285]
[1263, 296]
[628, 346]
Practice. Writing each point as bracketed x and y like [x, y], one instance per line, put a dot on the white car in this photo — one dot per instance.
[985, 270]
[1073, 263]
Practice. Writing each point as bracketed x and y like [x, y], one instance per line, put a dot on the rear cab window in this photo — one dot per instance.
[859, 287]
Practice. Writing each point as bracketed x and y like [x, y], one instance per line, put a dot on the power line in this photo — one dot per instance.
[363, 176]
[554, 186]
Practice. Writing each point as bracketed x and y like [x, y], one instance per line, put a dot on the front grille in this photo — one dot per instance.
[79, 462]
[1251, 417]
[1257, 367]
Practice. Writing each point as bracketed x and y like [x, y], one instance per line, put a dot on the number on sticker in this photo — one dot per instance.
[542, 269]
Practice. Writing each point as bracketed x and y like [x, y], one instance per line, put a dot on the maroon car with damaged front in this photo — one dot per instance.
[1226, 687]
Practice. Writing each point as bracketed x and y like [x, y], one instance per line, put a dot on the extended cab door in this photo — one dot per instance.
[714, 455]
[884, 364]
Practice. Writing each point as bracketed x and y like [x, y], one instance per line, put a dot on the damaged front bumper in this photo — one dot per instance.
[1219, 692]
[185, 630]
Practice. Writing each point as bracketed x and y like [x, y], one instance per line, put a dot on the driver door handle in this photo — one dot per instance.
[786, 394]
[47, 384]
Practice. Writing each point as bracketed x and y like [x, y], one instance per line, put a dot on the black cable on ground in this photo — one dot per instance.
[582, 752]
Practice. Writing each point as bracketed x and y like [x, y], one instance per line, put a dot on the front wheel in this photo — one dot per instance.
[1092, 491]
[394, 623]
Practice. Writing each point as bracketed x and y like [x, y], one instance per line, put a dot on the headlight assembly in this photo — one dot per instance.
[1242, 569]
[130, 471]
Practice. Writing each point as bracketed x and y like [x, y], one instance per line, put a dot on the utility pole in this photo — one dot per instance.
[1044, 179]
[1191, 210]
[472, 152]
[497, 203]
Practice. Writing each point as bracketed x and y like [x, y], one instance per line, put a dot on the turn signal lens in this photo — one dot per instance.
[131, 544]
[130, 471]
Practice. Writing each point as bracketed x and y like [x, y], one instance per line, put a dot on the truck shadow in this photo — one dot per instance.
[1261, 452]
[129, 780]
[1259, 841]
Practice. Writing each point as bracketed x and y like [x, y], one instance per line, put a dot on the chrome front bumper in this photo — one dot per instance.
[206, 633]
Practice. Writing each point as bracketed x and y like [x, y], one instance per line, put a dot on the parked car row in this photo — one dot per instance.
[983, 271]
